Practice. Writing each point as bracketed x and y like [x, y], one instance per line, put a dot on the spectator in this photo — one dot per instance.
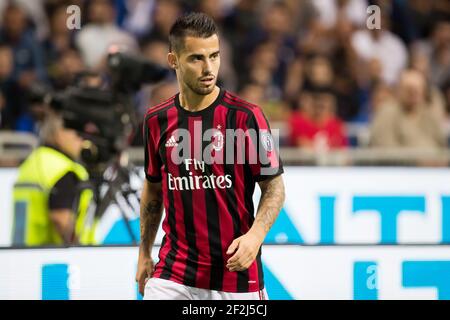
[254, 93]
[28, 64]
[381, 47]
[100, 33]
[162, 92]
[420, 12]
[408, 120]
[35, 11]
[434, 96]
[320, 73]
[437, 51]
[66, 69]
[294, 78]
[263, 65]
[271, 51]
[354, 11]
[164, 15]
[315, 126]
[274, 109]
[138, 18]
[60, 39]
[381, 94]
[152, 96]
[238, 23]
[304, 16]
[156, 50]
[330, 18]
[401, 22]
[8, 114]
[275, 33]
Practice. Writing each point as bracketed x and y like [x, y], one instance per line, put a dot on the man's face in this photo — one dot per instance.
[412, 90]
[6, 62]
[198, 63]
[70, 142]
[101, 12]
[15, 22]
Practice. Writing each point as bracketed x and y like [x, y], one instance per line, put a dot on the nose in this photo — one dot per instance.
[207, 68]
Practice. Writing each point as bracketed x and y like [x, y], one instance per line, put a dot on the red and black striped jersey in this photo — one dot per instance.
[208, 163]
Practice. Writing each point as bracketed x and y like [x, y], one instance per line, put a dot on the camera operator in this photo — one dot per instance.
[51, 197]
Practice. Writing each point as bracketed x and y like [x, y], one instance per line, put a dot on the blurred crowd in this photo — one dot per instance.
[312, 65]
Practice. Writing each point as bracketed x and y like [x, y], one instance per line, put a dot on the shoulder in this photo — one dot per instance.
[85, 33]
[163, 106]
[360, 39]
[67, 181]
[232, 101]
[46, 157]
[389, 109]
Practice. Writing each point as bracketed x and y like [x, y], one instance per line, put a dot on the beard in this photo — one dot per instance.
[200, 89]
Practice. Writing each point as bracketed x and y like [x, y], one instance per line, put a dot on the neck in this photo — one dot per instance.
[192, 101]
[57, 147]
[411, 109]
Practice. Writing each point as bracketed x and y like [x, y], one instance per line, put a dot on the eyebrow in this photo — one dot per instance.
[202, 55]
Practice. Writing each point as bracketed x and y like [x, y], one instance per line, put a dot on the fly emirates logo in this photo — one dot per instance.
[202, 181]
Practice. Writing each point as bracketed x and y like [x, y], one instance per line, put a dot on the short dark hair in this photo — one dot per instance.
[195, 24]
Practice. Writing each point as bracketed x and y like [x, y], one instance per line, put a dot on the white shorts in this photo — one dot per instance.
[161, 289]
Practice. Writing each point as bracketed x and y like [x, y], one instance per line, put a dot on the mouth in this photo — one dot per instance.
[207, 80]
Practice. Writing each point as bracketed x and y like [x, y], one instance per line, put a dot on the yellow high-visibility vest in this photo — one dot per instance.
[37, 176]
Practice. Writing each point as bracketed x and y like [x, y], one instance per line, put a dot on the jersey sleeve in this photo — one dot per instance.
[64, 192]
[262, 154]
[153, 162]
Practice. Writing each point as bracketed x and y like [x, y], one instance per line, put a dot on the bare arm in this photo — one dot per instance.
[151, 214]
[272, 199]
[246, 247]
[63, 220]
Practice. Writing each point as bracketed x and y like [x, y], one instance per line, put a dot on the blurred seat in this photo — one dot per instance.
[358, 134]
[16, 146]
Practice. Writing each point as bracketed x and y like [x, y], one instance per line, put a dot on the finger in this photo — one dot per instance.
[141, 287]
[243, 263]
[238, 263]
[242, 266]
[239, 253]
[247, 263]
[237, 268]
[234, 245]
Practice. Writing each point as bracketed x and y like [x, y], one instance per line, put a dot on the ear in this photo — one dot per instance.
[172, 60]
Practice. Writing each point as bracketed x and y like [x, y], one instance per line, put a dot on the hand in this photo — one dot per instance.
[144, 272]
[247, 247]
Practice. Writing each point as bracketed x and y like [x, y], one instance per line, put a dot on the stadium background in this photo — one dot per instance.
[366, 216]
